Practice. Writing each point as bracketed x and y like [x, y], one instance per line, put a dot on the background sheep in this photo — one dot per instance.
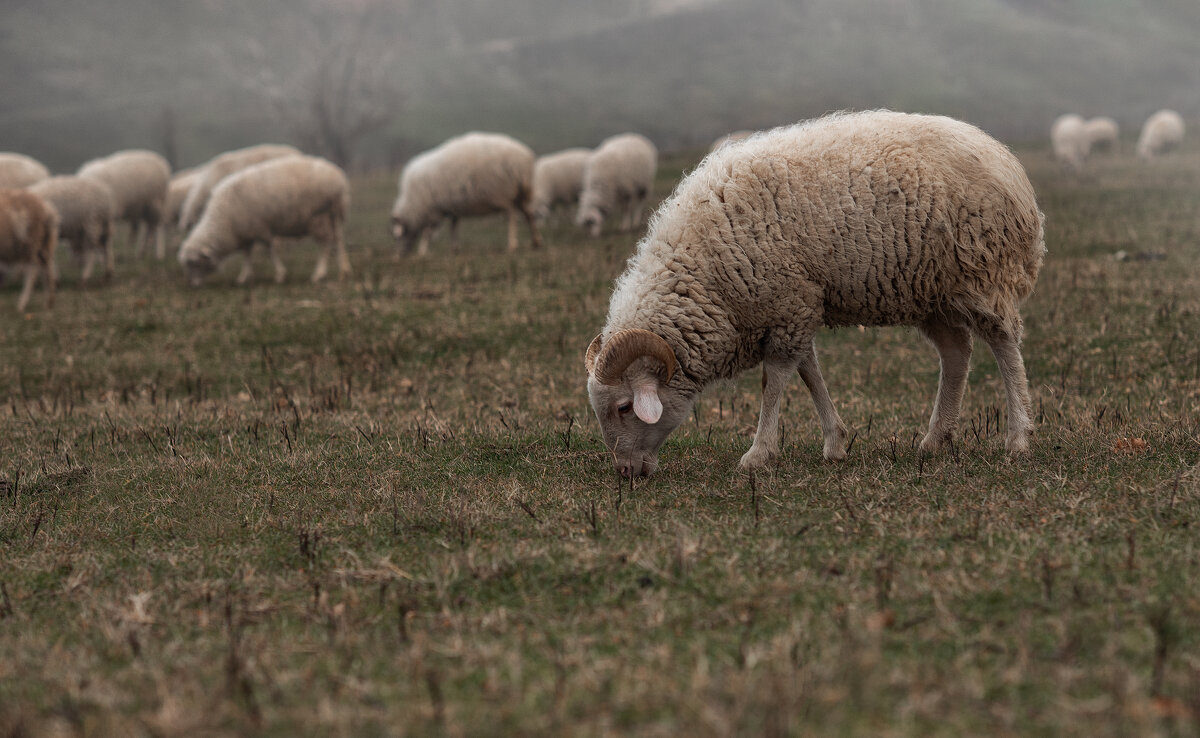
[1161, 133]
[288, 197]
[471, 175]
[558, 180]
[220, 167]
[1101, 134]
[28, 237]
[138, 181]
[1069, 140]
[18, 170]
[178, 188]
[85, 218]
[729, 138]
[875, 218]
[619, 174]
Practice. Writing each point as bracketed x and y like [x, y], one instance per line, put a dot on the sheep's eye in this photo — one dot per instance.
[625, 407]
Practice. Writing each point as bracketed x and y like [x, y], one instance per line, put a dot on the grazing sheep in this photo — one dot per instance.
[1068, 138]
[18, 170]
[1161, 133]
[28, 237]
[873, 218]
[85, 218]
[558, 180]
[1100, 134]
[619, 174]
[288, 197]
[470, 175]
[220, 167]
[138, 181]
[729, 138]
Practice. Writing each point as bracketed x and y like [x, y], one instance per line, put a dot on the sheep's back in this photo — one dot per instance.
[280, 197]
[892, 218]
[137, 179]
[79, 201]
[18, 170]
[474, 174]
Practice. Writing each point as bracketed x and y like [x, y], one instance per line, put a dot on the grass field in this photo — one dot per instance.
[383, 507]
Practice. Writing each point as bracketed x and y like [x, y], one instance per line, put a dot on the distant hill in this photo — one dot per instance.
[197, 76]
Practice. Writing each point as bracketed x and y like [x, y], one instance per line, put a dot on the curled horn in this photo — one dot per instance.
[593, 350]
[609, 363]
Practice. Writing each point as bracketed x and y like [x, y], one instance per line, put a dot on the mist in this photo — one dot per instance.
[370, 82]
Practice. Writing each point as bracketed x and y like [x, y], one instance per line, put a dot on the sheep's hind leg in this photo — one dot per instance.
[512, 230]
[535, 235]
[31, 273]
[832, 427]
[766, 439]
[1005, 343]
[953, 344]
[276, 261]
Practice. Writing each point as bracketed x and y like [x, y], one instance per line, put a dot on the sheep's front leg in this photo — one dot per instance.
[832, 427]
[276, 261]
[247, 269]
[765, 448]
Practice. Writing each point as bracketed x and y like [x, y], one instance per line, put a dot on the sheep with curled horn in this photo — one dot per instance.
[874, 218]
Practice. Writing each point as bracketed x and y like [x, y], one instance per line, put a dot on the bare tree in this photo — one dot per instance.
[330, 82]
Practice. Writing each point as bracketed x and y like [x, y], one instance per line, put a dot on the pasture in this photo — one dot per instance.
[383, 507]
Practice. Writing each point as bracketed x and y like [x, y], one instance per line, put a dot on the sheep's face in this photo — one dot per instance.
[636, 416]
[404, 233]
[196, 266]
[590, 219]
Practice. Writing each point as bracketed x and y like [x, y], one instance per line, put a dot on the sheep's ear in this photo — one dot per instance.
[646, 404]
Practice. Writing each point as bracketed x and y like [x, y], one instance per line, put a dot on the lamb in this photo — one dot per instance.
[85, 218]
[137, 180]
[1069, 140]
[288, 197]
[18, 170]
[1100, 134]
[558, 180]
[1161, 133]
[28, 237]
[871, 218]
[220, 167]
[619, 174]
[470, 175]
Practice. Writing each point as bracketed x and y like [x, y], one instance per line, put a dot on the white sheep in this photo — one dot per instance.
[470, 175]
[217, 169]
[1101, 134]
[138, 181]
[85, 218]
[1161, 133]
[873, 218]
[558, 180]
[729, 138]
[619, 175]
[28, 237]
[288, 197]
[1069, 140]
[18, 170]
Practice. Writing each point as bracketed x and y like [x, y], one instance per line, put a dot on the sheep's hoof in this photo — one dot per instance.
[756, 458]
[1017, 445]
[934, 442]
[835, 445]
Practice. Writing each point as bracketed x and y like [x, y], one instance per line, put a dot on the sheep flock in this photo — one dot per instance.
[863, 248]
